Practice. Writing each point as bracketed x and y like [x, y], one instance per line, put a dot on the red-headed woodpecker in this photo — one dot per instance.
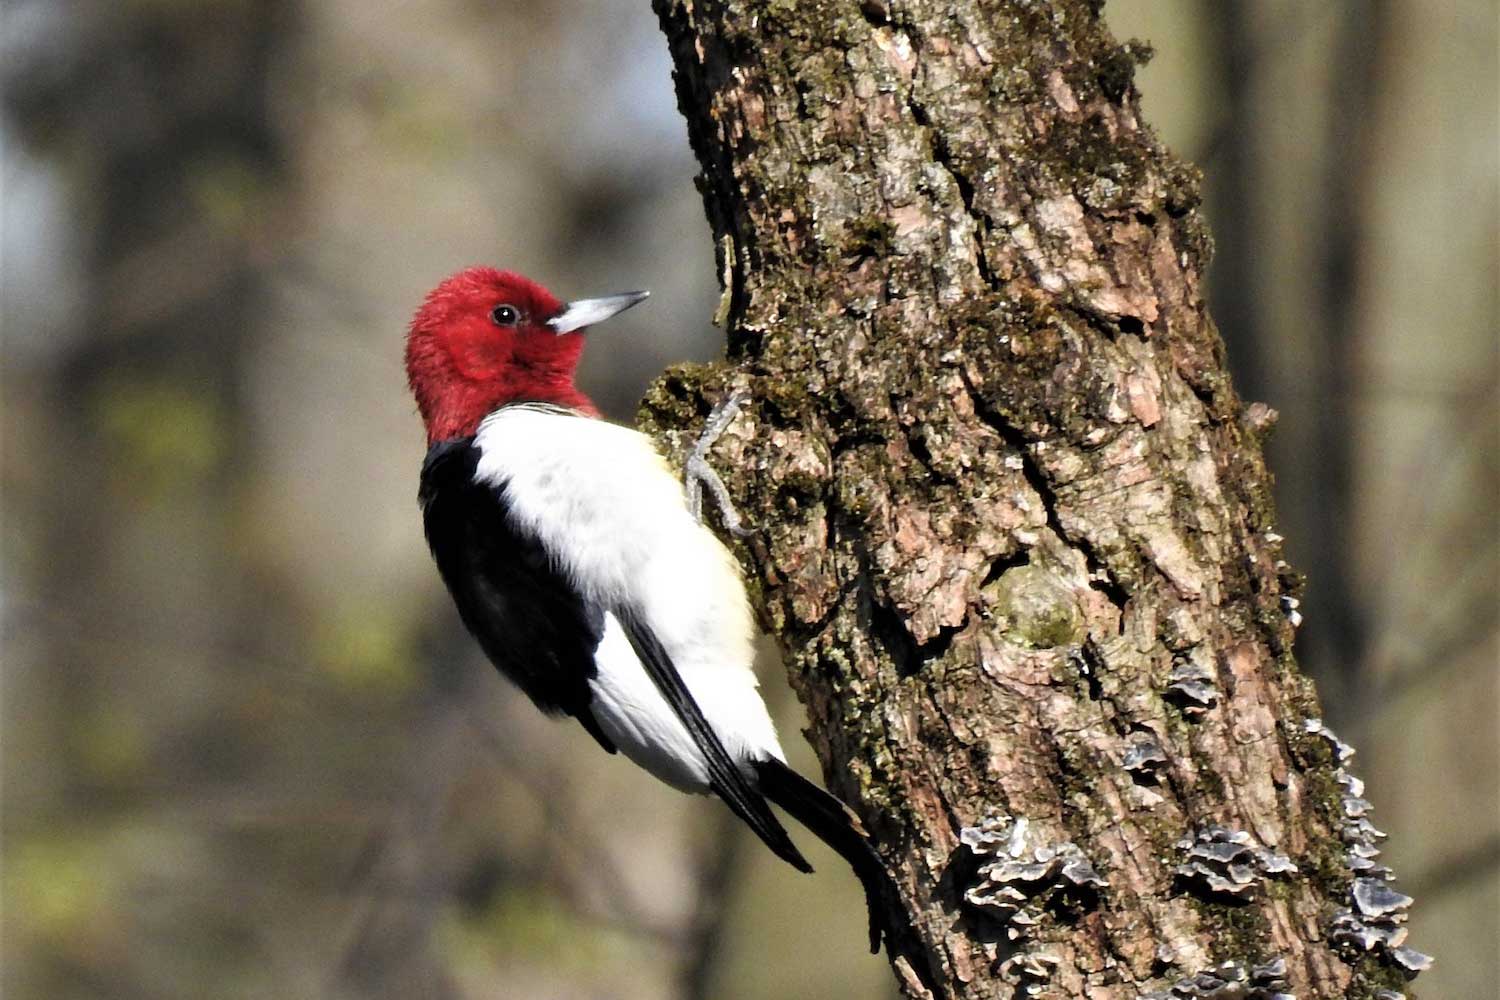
[574, 559]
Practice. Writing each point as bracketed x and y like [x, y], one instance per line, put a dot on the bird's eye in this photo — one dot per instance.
[505, 315]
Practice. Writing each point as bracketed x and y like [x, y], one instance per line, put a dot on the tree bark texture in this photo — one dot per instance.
[1015, 534]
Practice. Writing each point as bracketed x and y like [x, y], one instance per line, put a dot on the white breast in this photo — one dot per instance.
[606, 506]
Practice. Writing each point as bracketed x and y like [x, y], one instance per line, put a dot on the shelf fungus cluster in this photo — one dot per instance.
[1017, 879]
[1221, 862]
[1231, 981]
[1144, 756]
[1028, 973]
[1375, 920]
[1192, 687]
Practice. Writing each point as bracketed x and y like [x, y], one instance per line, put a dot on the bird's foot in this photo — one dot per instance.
[698, 475]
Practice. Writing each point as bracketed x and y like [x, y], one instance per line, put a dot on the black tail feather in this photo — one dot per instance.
[840, 829]
[759, 819]
[837, 827]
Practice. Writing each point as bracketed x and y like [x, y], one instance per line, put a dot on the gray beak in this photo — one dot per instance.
[586, 312]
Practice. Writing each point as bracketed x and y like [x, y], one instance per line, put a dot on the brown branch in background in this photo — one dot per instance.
[706, 936]
[387, 953]
[1337, 635]
[1236, 281]
[1475, 867]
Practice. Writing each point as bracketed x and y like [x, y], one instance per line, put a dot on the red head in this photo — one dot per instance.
[484, 338]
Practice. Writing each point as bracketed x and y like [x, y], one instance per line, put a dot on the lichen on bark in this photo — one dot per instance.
[1013, 522]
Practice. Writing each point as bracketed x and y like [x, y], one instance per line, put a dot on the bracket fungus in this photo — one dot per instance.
[1144, 756]
[1374, 922]
[1231, 981]
[1016, 879]
[1028, 972]
[1223, 862]
[1191, 687]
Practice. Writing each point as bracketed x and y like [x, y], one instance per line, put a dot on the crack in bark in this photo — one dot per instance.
[942, 153]
[1100, 578]
[923, 454]
[1088, 655]
[888, 626]
[1019, 556]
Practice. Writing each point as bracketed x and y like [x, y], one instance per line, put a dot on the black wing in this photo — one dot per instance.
[725, 776]
[530, 622]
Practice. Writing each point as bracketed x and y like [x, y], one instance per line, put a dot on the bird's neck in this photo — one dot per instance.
[460, 410]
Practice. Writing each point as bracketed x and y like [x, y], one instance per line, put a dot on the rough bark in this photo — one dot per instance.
[1015, 531]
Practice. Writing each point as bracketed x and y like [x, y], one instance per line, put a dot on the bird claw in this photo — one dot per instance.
[698, 474]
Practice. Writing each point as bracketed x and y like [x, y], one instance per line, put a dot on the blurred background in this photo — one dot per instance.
[247, 750]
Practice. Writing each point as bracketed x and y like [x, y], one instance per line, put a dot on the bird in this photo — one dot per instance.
[586, 575]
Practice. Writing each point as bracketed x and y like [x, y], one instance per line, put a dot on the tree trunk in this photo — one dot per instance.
[1015, 533]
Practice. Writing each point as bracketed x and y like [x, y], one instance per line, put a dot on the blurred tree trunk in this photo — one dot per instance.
[1015, 531]
[158, 118]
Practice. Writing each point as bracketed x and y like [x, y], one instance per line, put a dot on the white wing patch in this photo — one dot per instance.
[606, 506]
